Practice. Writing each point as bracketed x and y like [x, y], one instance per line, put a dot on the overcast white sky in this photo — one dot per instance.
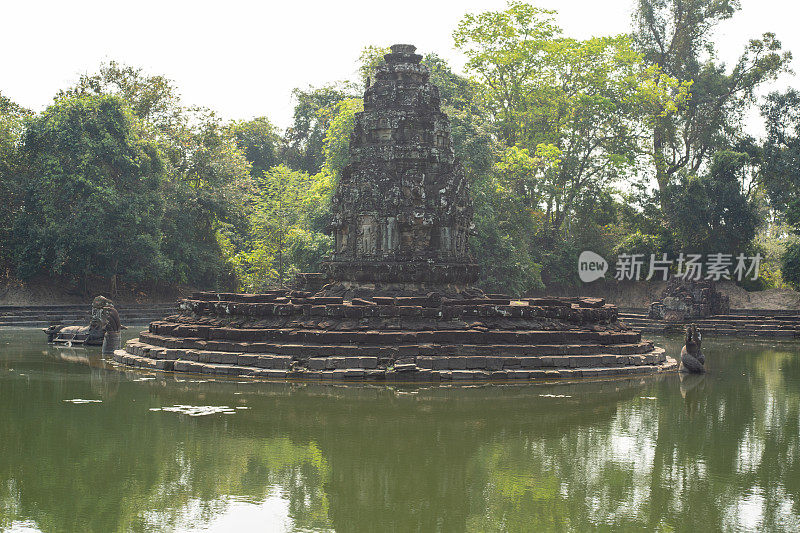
[243, 58]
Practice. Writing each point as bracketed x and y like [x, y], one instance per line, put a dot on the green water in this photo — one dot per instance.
[718, 452]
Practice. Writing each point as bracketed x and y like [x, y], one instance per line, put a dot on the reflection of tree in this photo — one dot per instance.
[103, 467]
[660, 464]
[361, 458]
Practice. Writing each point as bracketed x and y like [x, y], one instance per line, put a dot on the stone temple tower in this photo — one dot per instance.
[402, 212]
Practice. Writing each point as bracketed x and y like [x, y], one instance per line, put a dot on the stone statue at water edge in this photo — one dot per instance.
[103, 329]
[692, 358]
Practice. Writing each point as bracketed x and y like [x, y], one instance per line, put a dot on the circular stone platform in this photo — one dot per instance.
[292, 334]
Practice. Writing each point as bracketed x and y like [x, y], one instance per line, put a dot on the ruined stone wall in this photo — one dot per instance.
[686, 299]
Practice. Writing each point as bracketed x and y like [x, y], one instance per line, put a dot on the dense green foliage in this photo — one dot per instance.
[89, 193]
[281, 238]
[616, 144]
[11, 129]
[709, 213]
[675, 36]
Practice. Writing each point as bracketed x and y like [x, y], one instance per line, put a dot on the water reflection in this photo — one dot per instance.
[712, 452]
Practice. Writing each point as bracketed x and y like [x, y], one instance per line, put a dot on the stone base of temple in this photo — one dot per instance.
[296, 335]
[368, 289]
[425, 272]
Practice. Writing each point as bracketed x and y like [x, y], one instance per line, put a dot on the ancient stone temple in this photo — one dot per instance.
[396, 300]
[402, 212]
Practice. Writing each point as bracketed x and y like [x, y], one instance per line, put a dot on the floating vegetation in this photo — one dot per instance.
[647, 397]
[197, 410]
[555, 396]
[79, 401]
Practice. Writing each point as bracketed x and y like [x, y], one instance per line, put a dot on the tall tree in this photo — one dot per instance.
[260, 142]
[780, 166]
[281, 239]
[12, 125]
[305, 138]
[341, 119]
[780, 171]
[570, 113]
[675, 35]
[152, 98]
[90, 197]
[205, 176]
[711, 213]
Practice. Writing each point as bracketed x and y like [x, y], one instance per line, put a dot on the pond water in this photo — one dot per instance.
[85, 447]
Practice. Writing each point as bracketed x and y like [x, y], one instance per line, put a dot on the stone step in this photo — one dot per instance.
[195, 334]
[433, 360]
[573, 313]
[723, 319]
[157, 311]
[748, 331]
[381, 350]
[400, 373]
[721, 325]
[70, 320]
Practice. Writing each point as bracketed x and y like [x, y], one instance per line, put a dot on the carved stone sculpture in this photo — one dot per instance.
[692, 358]
[401, 212]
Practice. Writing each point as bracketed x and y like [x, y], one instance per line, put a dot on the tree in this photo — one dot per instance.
[258, 139]
[305, 138]
[152, 98]
[281, 240]
[711, 213]
[470, 124]
[206, 189]
[205, 176]
[675, 36]
[571, 119]
[779, 177]
[341, 119]
[12, 124]
[368, 62]
[780, 162]
[790, 265]
[90, 195]
[570, 112]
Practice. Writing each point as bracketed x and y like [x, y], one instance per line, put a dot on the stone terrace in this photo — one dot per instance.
[291, 334]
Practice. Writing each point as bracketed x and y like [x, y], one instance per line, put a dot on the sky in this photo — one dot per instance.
[243, 59]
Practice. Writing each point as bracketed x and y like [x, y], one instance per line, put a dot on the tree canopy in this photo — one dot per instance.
[631, 143]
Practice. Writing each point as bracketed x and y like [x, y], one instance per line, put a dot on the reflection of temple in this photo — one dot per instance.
[401, 213]
[353, 458]
[363, 458]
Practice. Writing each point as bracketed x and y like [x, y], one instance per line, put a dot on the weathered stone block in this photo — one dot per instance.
[246, 360]
[368, 362]
[317, 363]
[476, 362]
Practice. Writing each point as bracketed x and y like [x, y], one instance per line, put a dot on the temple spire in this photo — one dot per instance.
[402, 212]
